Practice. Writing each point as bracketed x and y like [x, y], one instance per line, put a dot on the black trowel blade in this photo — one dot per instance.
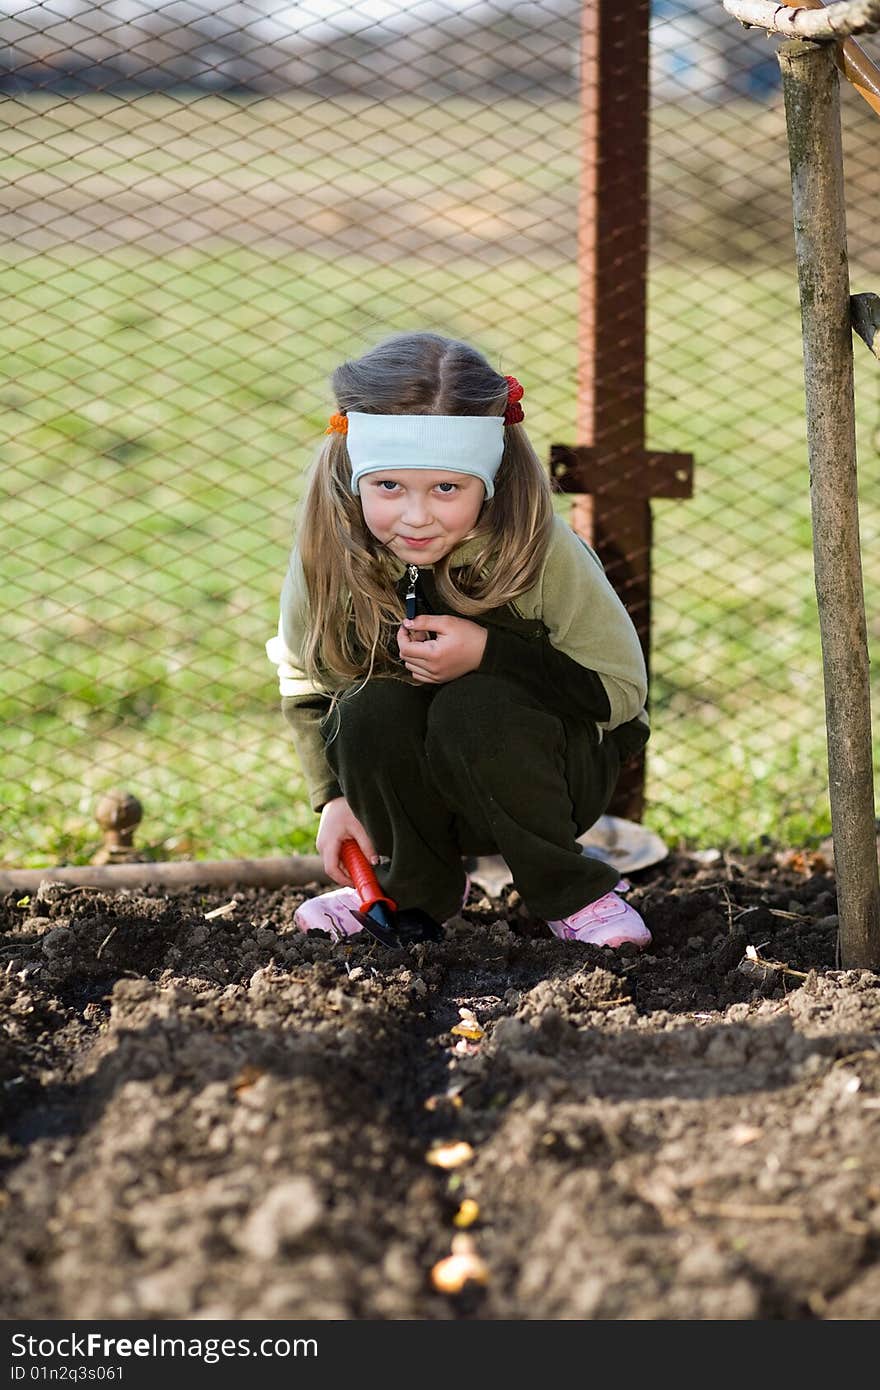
[377, 923]
[404, 928]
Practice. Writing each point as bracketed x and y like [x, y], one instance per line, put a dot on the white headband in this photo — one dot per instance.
[443, 443]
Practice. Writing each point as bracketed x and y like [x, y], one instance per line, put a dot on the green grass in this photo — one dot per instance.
[160, 412]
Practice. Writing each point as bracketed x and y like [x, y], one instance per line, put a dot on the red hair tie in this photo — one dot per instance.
[514, 412]
[338, 424]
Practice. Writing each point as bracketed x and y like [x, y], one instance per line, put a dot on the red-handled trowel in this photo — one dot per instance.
[379, 914]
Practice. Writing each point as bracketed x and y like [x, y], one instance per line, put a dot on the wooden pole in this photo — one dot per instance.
[812, 112]
[853, 62]
[297, 870]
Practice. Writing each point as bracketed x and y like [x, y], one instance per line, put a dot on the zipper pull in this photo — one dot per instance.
[410, 598]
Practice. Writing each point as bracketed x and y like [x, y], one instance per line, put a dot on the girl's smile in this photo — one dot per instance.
[411, 510]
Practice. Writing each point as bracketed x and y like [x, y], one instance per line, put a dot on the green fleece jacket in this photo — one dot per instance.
[568, 639]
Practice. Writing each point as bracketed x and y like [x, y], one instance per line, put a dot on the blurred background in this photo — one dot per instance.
[206, 207]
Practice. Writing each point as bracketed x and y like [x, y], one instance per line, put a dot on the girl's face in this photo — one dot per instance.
[420, 516]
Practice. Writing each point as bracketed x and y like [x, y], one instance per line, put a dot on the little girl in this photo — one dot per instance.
[491, 720]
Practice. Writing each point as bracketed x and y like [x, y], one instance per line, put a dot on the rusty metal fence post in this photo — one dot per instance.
[612, 473]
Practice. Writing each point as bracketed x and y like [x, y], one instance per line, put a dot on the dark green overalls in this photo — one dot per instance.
[504, 760]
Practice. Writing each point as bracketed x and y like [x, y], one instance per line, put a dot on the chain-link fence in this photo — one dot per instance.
[206, 207]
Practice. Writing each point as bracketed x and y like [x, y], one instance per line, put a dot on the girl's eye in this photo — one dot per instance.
[387, 484]
[452, 486]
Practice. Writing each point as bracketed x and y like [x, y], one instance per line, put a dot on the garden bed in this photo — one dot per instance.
[214, 1116]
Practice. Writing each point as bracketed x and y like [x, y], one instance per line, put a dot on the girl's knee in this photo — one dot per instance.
[487, 720]
[374, 710]
[467, 708]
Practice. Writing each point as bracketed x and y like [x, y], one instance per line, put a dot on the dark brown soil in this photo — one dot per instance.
[221, 1118]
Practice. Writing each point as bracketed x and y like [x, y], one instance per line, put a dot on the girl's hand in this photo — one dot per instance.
[338, 823]
[457, 648]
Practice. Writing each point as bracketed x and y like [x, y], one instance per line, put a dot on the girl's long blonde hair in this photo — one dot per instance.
[353, 606]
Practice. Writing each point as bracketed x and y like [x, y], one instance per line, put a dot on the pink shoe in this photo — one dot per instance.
[608, 922]
[331, 912]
